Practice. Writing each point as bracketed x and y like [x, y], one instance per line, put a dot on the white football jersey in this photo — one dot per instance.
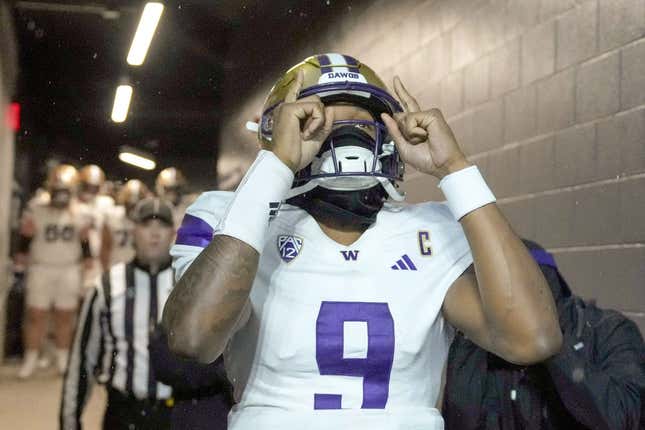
[57, 233]
[338, 336]
[99, 209]
[121, 229]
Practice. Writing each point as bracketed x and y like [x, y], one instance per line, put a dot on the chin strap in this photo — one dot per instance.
[302, 189]
[321, 209]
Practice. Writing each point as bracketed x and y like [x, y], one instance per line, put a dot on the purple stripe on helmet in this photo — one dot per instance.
[194, 231]
[351, 61]
[543, 258]
[324, 60]
[351, 86]
[345, 86]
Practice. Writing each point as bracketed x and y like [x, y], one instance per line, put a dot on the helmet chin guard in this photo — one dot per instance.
[351, 160]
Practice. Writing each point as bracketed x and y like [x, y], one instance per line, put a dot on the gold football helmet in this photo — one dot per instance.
[335, 78]
[61, 184]
[170, 184]
[92, 175]
[131, 193]
[91, 180]
[352, 158]
[62, 177]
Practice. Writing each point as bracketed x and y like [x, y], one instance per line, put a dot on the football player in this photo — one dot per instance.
[336, 309]
[117, 244]
[98, 206]
[92, 181]
[171, 186]
[53, 240]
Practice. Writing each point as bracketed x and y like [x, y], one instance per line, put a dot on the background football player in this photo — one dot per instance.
[117, 244]
[336, 310]
[53, 240]
[98, 207]
[171, 185]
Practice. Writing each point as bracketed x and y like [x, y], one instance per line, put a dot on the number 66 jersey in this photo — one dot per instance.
[334, 336]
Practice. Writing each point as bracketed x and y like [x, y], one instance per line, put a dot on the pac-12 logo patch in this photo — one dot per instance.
[289, 247]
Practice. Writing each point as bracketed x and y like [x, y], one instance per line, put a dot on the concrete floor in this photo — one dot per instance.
[33, 404]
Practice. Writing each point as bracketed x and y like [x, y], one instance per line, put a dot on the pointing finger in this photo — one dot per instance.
[294, 88]
[409, 103]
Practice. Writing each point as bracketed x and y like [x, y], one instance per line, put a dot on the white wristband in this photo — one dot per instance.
[264, 186]
[465, 191]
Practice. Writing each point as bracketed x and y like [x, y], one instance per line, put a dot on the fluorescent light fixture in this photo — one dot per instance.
[121, 103]
[137, 160]
[143, 36]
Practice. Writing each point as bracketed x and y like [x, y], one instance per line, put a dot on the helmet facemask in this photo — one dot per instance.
[87, 192]
[173, 194]
[60, 198]
[355, 156]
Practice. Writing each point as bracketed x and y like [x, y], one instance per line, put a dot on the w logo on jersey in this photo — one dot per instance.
[289, 247]
[350, 255]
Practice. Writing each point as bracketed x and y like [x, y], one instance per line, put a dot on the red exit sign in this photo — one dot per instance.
[13, 116]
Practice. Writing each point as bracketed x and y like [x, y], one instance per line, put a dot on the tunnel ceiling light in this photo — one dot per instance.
[121, 103]
[136, 158]
[143, 36]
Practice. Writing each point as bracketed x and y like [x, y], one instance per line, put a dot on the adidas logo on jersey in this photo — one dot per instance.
[405, 263]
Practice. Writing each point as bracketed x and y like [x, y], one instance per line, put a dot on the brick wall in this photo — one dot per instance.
[546, 96]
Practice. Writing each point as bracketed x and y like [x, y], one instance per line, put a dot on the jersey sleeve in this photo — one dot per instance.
[197, 227]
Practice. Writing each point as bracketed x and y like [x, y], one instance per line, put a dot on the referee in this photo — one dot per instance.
[112, 335]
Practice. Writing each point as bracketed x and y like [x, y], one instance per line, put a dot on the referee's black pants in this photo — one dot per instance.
[128, 413]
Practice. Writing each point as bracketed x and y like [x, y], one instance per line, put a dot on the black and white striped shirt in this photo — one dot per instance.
[111, 341]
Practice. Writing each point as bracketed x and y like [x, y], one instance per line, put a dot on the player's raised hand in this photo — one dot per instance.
[424, 138]
[299, 127]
